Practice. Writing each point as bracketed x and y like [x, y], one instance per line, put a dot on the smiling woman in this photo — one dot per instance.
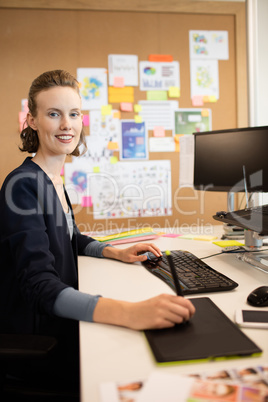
[40, 242]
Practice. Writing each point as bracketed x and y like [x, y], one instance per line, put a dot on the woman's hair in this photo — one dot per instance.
[47, 80]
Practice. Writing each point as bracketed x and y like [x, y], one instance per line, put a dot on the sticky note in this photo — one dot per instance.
[205, 237]
[197, 100]
[106, 110]
[137, 108]
[138, 119]
[117, 115]
[170, 235]
[177, 142]
[96, 169]
[212, 98]
[86, 201]
[113, 160]
[119, 82]
[159, 131]
[227, 243]
[157, 95]
[206, 99]
[160, 57]
[126, 107]
[118, 95]
[174, 92]
[205, 112]
[188, 237]
[86, 120]
[112, 145]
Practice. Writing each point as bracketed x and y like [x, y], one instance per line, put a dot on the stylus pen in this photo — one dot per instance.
[174, 274]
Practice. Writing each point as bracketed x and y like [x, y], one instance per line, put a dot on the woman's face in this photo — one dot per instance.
[58, 121]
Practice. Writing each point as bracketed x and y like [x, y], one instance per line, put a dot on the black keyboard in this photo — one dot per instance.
[195, 276]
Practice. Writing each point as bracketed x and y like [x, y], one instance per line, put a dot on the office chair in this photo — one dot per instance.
[17, 350]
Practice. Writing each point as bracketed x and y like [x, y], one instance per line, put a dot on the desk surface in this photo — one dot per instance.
[110, 353]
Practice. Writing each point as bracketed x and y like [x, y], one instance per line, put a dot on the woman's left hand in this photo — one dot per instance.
[133, 253]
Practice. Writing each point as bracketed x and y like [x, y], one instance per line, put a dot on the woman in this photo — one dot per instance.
[40, 240]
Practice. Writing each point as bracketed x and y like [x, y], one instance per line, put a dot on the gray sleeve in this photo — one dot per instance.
[95, 248]
[75, 305]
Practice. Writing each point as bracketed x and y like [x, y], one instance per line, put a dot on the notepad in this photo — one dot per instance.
[209, 335]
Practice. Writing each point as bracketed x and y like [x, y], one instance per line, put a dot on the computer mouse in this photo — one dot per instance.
[259, 297]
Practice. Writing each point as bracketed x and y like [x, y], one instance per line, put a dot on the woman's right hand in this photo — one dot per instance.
[162, 311]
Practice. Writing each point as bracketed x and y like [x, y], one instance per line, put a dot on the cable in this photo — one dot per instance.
[234, 252]
[212, 255]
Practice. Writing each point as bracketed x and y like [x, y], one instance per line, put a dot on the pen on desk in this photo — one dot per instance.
[174, 274]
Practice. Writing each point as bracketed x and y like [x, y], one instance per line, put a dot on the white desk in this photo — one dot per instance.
[110, 353]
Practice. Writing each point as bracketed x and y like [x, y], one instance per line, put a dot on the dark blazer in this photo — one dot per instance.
[38, 259]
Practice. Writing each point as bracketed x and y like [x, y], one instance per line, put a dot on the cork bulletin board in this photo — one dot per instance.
[70, 35]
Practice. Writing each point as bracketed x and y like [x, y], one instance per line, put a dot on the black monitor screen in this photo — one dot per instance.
[221, 157]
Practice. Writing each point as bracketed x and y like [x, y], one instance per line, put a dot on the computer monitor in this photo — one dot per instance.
[224, 159]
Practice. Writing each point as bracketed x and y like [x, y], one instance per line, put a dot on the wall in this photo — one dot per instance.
[36, 39]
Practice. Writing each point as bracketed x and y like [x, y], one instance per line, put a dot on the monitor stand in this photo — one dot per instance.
[232, 232]
[253, 242]
[254, 254]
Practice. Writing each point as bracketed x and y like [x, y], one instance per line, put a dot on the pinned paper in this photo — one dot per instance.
[158, 113]
[24, 105]
[119, 82]
[197, 100]
[86, 120]
[22, 116]
[137, 108]
[86, 201]
[157, 95]
[123, 66]
[161, 144]
[138, 119]
[22, 119]
[126, 107]
[159, 131]
[106, 110]
[93, 90]
[174, 92]
[96, 169]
